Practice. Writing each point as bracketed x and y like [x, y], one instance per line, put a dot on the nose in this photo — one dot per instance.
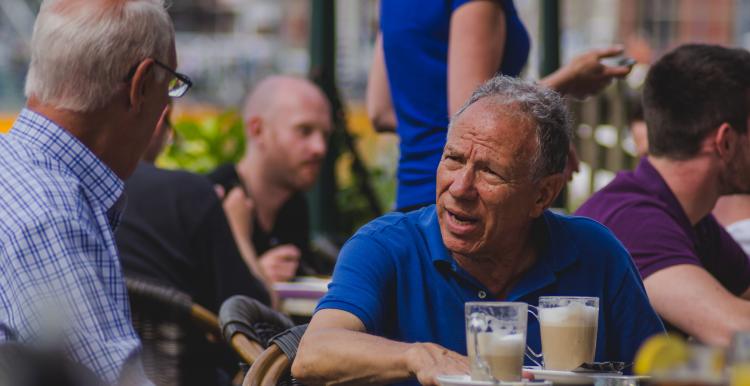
[462, 187]
[318, 143]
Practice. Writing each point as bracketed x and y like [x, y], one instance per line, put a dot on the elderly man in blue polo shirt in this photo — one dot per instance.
[394, 311]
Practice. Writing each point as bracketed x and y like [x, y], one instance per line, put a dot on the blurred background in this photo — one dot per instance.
[226, 46]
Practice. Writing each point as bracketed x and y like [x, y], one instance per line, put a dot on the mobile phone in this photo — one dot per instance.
[617, 61]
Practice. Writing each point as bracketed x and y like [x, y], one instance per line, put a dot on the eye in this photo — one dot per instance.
[492, 174]
[451, 158]
[305, 130]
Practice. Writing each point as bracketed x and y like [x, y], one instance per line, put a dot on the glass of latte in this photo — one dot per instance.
[568, 326]
[496, 339]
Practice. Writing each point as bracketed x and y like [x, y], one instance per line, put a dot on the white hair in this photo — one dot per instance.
[82, 50]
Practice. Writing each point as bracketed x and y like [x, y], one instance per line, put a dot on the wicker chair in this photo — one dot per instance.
[181, 340]
[273, 366]
[249, 327]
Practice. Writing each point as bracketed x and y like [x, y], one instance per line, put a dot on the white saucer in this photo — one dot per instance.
[465, 380]
[571, 378]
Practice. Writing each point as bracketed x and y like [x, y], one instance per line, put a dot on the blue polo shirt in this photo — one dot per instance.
[398, 278]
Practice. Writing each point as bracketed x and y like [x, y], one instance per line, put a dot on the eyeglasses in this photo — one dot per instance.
[178, 85]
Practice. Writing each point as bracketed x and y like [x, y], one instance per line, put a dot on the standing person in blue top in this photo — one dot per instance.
[394, 310]
[428, 59]
[101, 74]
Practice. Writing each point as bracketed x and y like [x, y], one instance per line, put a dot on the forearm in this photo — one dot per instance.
[379, 103]
[703, 308]
[475, 49]
[339, 356]
[556, 81]
[715, 328]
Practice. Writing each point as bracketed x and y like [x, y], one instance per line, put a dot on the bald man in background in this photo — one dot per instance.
[287, 123]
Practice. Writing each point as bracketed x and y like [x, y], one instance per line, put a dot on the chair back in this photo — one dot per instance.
[272, 368]
[248, 325]
[181, 340]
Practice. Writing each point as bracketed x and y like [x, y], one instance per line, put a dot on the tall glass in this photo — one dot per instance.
[496, 339]
[568, 325]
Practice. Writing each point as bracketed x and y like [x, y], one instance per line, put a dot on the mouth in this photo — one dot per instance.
[312, 163]
[461, 223]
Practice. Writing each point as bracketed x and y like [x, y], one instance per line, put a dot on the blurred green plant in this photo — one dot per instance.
[353, 207]
[200, 144]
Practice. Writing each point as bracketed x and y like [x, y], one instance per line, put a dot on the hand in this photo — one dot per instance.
[240, 211]
[428, 360]
[586, 75]
[280, 263]
[220, 192]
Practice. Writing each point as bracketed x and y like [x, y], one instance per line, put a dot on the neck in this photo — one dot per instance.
[500, 272]
[266, 193]
[91, 128]
[694, 182]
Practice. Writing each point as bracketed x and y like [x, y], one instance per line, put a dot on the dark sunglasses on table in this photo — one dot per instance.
[178, 85]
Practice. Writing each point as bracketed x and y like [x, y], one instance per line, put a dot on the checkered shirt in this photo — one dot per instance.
[60, 277]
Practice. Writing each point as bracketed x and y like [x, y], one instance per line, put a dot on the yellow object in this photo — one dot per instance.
[660, 354]
[739, 374]
[6, 121]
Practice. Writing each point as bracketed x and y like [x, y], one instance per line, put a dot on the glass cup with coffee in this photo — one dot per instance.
[568, 327]
[496, 339]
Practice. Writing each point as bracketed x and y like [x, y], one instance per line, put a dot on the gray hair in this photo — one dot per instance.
[545, 107]
[81, 50]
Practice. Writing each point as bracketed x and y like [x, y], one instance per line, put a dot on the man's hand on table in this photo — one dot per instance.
[280, 263]
[428, 360]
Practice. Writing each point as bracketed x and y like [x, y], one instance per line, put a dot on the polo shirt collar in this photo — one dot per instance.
[99, 182]
[650, 179]
[558, 252]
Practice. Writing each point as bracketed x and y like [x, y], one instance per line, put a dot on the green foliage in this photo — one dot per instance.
[202, 144]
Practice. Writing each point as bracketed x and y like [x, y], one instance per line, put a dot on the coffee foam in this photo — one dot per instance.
[574, 314]
[492, 343]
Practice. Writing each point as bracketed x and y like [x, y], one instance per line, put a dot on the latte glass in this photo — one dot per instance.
[568, 325]
[496, 339]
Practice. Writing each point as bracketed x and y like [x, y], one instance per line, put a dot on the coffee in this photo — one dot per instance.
[502, 353]
[568, 335]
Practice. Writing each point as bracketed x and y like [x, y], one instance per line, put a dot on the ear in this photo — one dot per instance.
[547, 190]
[725, 141]
[138, 84]
[254, 128]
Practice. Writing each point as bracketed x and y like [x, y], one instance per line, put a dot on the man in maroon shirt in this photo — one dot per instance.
[696, 103]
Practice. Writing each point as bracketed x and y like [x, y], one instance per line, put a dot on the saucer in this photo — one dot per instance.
[573, 378]
[465, 380]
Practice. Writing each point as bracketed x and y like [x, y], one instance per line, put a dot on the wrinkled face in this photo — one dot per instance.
[485, 192]
[297, 135]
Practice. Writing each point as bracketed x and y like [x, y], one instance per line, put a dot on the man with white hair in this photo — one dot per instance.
[101, 74]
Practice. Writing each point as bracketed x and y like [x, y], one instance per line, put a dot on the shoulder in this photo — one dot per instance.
[37, 188]
[402, 234]
[629, 210]
[593, 242]
[582, 230]
[225, 175]
[151, 179]
[396, 226]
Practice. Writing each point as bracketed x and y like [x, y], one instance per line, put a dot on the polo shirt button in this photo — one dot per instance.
[482, 294]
